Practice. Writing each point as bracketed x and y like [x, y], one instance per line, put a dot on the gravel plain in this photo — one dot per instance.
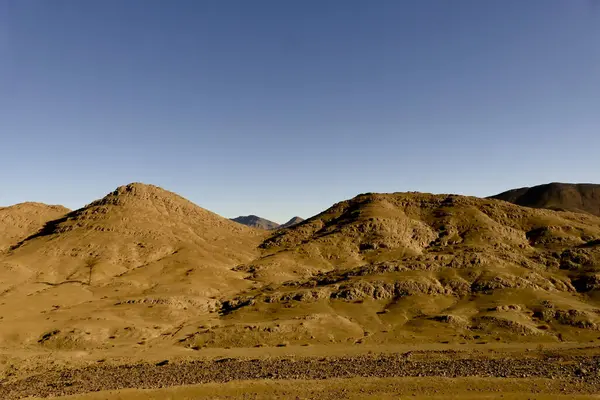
[581, 372]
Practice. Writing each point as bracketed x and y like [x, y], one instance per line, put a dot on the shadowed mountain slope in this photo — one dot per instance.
[261, 223]
[291, 222]
[583, 197]
[256, 222]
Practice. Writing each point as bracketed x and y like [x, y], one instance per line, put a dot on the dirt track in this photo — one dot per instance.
[582, 372]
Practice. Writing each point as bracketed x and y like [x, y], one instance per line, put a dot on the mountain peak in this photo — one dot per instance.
[140, 197]
[141, 190]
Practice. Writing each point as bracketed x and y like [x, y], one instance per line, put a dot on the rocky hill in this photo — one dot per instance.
[135, 225]
[138, 245]
[396, 267]
[583, 197]
[144, 270]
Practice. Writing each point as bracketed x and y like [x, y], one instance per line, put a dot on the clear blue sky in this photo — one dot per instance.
[281, 108]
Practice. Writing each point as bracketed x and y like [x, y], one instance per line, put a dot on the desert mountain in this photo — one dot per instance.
[145, 270]
[138, 244]
[291, 222]
[402, 266]
[256, 222]
[136, 225]
[583, 197]
[22, 220]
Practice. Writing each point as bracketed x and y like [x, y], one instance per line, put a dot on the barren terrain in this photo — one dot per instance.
[394, 286]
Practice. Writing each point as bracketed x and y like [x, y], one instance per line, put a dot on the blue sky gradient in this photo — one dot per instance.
[281, 108]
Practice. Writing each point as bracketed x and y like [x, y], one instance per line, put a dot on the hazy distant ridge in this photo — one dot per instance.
[255, 221]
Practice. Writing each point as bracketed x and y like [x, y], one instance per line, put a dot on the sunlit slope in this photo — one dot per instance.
[419, 267]
[138, 245]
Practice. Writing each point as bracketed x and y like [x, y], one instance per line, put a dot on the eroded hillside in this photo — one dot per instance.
[144, 271]
[140, 246]
[417, 267]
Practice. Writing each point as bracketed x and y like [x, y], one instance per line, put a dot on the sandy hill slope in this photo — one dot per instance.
[291, 222]
[408, 267]
[22, 220]
[135, 225]
[139, 244]
[256, 222]
[583, 197]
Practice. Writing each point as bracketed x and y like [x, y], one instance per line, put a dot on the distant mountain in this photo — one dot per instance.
[294, 221]
[582, 197]
[256, 222]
